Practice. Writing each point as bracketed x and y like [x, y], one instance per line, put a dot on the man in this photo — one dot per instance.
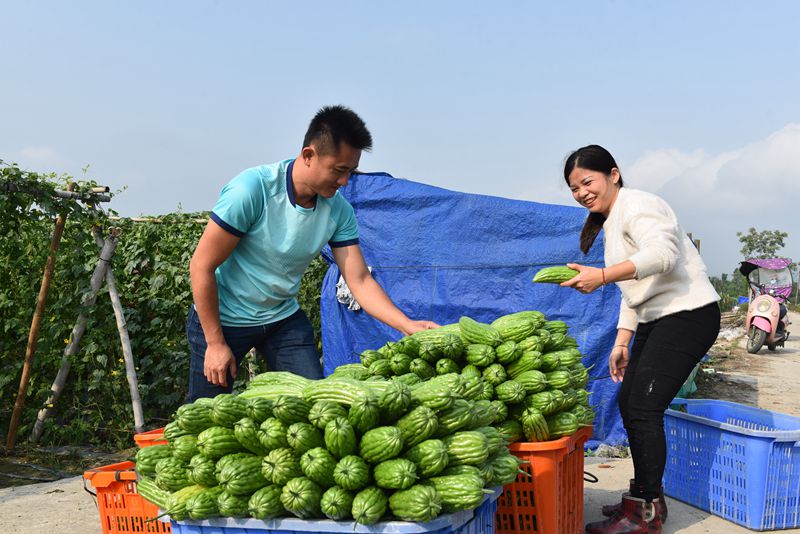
[269, 223]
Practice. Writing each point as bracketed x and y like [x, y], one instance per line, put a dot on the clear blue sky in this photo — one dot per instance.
[698, 101]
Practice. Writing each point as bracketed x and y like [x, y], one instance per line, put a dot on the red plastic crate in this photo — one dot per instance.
[550, 500]
[122, 509]
[149, 438]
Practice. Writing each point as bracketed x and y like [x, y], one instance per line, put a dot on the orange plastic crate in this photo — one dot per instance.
[550, 501]
[151, 437]
[122, 509]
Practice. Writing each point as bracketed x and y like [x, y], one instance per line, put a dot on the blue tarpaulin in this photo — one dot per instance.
[441, 254]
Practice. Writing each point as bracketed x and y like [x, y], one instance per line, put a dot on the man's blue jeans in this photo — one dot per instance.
[288, 345]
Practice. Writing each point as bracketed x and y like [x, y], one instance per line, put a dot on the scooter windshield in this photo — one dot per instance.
[771, 277]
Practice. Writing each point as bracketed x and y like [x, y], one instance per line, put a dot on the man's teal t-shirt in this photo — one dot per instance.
[258, 283]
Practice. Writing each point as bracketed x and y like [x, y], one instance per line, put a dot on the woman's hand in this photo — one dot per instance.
[587, 280]
[618, 362]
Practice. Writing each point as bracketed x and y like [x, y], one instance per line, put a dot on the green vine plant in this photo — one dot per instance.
[151, 266]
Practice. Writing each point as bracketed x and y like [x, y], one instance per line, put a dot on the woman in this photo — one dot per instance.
[667, 301]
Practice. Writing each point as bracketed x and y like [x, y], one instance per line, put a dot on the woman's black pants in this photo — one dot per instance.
[663, 354]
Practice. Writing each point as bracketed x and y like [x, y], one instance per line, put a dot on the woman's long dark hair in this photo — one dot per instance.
[598, 159]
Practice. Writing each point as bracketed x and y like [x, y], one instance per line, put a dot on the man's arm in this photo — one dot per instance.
[214, 247]
[370, 295]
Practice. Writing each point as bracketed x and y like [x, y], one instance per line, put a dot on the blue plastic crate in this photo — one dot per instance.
[477, 521]
[734, 461]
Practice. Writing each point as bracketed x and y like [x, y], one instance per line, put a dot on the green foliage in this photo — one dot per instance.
[151, 266]
[309, 295]
[763, 244]
[729, 289]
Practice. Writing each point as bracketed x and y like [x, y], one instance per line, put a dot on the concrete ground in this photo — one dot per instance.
[614, 476]
[58, 507]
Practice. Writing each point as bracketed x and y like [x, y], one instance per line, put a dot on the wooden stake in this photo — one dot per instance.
[125, 340]
[36, 323]
[75, 338]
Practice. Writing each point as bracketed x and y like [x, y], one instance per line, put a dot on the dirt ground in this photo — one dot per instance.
[769, 380]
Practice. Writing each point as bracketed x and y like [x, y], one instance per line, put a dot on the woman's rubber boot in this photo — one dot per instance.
[610, 510]
[636, 516]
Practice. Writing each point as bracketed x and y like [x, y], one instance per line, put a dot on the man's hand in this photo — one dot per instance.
[416, 326]
[217, 361]
[587, 280]
[617, 363]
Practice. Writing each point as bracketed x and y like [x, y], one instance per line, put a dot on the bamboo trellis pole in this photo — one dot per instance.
[36, 323]
[95, 194]
[156, 220]
[124, 338]
[77, 333]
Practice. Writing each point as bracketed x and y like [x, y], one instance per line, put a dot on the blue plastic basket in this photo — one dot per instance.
[735, 461]
[477, 521]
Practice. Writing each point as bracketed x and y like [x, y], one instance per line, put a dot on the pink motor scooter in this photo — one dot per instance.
[770, 282]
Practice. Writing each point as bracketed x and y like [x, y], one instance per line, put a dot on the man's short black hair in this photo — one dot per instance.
[334, 124]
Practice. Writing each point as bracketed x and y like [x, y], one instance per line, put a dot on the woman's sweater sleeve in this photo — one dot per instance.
[655, 232]
[627, 317]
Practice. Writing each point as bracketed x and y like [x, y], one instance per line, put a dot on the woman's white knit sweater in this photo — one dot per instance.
[670, 276]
